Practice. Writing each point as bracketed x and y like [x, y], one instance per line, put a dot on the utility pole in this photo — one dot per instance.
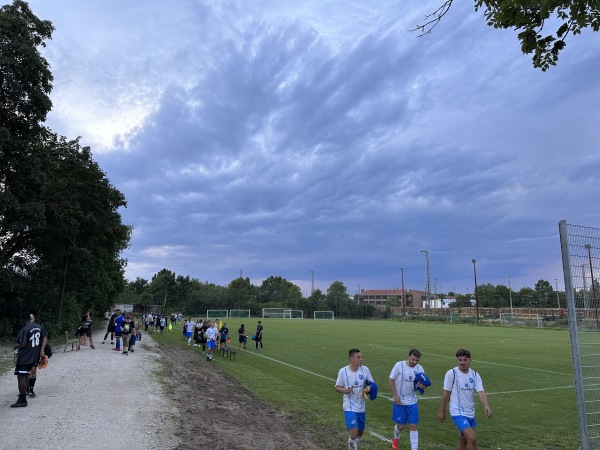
[510, 295]
[435, 296]
[403, 296]
[427, 281]
[557, 297]
[312, 286]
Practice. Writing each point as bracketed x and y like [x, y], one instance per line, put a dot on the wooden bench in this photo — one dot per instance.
[74, 343]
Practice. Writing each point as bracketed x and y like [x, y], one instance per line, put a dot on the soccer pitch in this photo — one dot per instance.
[527, 374]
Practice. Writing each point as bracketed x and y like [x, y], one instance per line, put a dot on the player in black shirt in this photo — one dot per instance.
[28, 345]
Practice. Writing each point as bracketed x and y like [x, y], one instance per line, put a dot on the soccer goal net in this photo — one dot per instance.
[521, 320]
[244, 313]
[323, 315]
[293, 314]
[278, 313]
[216, 313]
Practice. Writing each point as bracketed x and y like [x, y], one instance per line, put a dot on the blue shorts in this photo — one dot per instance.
[211, 345]
[188, 334]
[403, 414]
[463, 422]
[355, 420]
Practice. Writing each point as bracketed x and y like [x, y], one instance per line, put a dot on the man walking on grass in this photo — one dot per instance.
[460, 385]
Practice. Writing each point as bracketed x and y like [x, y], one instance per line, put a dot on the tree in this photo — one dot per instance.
[529, 18]
[60, 231]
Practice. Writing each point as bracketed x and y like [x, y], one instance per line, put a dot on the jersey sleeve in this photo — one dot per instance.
[478, 383]
[341, 379]
[395, 373]
[448, 380]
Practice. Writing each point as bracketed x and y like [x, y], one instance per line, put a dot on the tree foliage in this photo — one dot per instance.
[529, 17]
[60, 230]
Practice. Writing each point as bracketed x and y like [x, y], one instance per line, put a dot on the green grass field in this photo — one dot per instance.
[527, 374]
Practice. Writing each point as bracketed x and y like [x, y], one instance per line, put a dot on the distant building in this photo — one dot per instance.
[381, 298]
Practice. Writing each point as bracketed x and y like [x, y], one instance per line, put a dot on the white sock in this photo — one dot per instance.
[397, 432]
[357, 440]
[414, 440]
[352, 444]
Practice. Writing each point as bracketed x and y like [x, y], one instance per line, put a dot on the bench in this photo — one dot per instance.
[74, 343]
[228, 351]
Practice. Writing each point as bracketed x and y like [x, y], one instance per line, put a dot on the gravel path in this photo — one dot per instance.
[91, 399]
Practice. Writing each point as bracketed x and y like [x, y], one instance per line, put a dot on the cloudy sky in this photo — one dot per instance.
[282, 137]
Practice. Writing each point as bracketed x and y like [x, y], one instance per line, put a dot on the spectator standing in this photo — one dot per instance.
[43, 347]
[224, 335]
[85, 330]
[353, 381]
[460, 385]
[259, 335]
[110, 329]
[127, 329]
[27, 348]
[242, 336]
[118, 332]
[404, 407]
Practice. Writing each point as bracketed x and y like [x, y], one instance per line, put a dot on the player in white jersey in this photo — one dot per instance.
[189, 330]
[211, 340]
[460, 385]
[404, 407]
[353, 381]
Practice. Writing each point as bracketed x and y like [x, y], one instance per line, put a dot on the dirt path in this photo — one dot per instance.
[163, 397]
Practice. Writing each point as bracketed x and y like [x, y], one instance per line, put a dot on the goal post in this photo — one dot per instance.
[277, 313]
[217, 313]
[241, 313]
[521, 320]
[293, 314]
[323, 315]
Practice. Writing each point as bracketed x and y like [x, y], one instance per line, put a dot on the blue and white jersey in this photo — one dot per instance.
[211, 333]
[404, 379]
[356, 381]
[189, 326]
[462, 387]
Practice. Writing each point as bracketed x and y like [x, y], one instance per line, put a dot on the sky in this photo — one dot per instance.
[292, 138]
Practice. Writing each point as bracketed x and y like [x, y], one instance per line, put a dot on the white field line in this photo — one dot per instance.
[479, 361]
[387, 397]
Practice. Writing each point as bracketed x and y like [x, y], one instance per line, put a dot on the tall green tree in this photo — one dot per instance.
[530, 18]
[60, 231]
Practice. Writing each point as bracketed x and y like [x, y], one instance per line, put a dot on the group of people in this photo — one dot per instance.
[122, 327]
[407, 378]
[214, 334]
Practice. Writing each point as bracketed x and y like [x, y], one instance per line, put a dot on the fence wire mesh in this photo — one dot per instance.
[580, 249]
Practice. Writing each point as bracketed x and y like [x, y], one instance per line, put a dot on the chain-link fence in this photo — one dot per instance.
[580, 249]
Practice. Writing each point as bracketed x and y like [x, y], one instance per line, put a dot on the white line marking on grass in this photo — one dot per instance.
[379, 436]
[484, 362]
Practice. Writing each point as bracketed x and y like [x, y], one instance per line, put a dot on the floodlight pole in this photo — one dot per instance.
[312, 286]
[427, 281]
[557, 297]
[594, 302]
[476, 295]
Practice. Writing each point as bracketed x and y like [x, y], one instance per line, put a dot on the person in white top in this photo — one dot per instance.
[189, 329]
[460, 385]
[353, 381]
[211, 340]
[404, 408]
